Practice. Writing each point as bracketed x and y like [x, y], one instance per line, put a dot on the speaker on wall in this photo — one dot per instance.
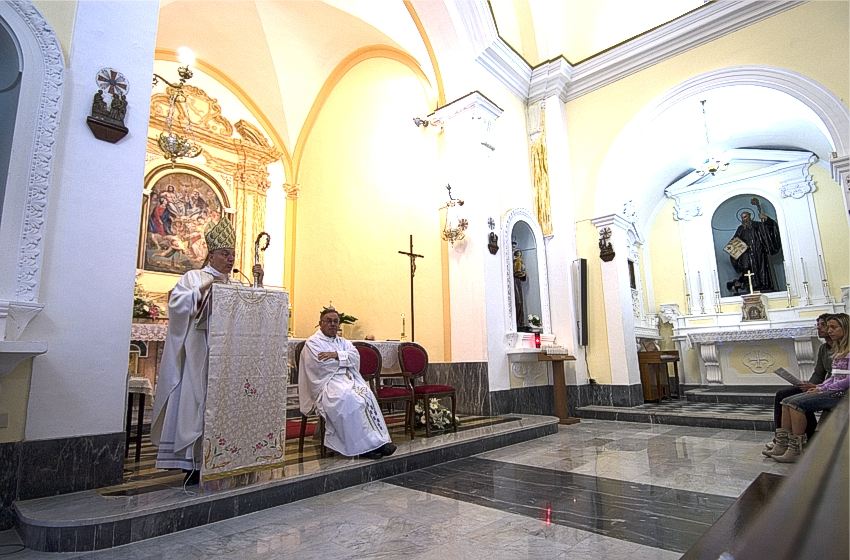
[580, 299]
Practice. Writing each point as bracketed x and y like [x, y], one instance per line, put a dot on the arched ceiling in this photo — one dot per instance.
[281, 52]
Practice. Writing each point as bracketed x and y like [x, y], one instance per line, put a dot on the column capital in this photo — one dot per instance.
[609, 220]
[474, 106]
[550, 79]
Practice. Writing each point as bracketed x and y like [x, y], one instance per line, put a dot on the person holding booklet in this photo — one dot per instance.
[791, 435]
[823, 369]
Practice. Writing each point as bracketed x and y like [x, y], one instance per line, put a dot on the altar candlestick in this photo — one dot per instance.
[803, 266]
[822, 266]
[402, 326]
[687, 289]
[699, 281]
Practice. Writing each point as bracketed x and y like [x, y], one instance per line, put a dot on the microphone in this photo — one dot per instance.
[237, 271]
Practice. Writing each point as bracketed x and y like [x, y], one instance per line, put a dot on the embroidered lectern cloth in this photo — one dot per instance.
[245, 417]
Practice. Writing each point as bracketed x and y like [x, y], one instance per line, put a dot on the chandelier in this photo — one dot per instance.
[173, 144]
[711, 164]
[453, 225]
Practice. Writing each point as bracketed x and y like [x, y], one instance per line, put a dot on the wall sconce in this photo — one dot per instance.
[172, 144]
[453, 225]
[421, 122]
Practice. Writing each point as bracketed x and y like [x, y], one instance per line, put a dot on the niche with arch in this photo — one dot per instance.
[524, 268]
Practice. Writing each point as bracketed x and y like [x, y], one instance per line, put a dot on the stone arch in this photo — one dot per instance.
[33, 150]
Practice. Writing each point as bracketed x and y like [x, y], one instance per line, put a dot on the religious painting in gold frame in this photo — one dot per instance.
[179, 205]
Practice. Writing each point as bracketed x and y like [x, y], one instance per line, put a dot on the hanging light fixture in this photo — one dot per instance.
[712, 164]
[453, 225]
[172, 144]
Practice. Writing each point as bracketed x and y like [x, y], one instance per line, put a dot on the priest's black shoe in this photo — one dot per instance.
[387, 449]
[192, 477]
[376, 454]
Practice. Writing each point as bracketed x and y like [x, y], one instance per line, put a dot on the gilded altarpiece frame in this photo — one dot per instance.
[237, 154]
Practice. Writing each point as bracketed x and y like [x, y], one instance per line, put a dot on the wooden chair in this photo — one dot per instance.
[305, 417]
[413, 360]
[370, 368]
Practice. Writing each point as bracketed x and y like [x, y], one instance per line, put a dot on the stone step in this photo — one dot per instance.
[732, 416]
[741, 394]
[94, 519]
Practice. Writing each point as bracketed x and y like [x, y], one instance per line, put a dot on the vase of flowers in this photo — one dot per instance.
[535, 323]
[144, 308]
[439, 415]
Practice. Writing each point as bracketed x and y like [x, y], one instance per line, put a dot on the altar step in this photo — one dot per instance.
[155, 504]
[723, 415]
[738, 394]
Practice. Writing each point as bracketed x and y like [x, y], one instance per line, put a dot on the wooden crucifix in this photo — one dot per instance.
[413, 256]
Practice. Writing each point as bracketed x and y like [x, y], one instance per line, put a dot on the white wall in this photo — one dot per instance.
[79, 386]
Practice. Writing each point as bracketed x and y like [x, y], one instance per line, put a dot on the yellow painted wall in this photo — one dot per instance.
[833, 229]
[14, 395]
[596, 119]
[60, 14]
[367, 182]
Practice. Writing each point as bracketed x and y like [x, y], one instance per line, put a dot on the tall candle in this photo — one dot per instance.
[822, 266]
[699, 281]
[402, 323]
[687, 289]
[714, 280]
[803, 266]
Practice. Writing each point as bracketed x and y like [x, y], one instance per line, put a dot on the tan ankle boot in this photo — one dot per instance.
[795, 449]
[781, 445]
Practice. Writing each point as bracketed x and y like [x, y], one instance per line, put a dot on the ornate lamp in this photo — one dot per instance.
[172, 144]
[711, 164]
[453, 225]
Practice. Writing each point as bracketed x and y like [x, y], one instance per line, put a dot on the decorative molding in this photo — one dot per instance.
[509, 68]
[552, 78]
[293, 190]
[479, 109]
[147, 332]
[701, 26]
[684, 211]
[15, 316]
[712, 337]
[36, 143]
[758, 360]
[669, 312]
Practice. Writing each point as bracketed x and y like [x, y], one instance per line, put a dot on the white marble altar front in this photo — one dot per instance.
[736, 352]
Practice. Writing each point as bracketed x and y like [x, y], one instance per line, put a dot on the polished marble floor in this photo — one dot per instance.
[598, 489]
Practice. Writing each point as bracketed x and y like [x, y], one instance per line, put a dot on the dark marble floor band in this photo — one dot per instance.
[734, 416]
[650, 515]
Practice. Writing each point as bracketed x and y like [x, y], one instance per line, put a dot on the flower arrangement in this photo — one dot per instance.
[440, 416]
[143, 304]
[535, 321]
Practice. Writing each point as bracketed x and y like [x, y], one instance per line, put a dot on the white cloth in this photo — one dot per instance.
[353, 421]
[178, 407]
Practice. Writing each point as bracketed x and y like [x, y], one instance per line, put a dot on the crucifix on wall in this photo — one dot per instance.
[413, 256]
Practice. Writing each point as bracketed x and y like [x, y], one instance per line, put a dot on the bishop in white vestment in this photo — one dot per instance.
[179, 404]
[329, 380]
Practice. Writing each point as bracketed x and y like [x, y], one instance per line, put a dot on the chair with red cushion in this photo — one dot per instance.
[305, 417]
[371, 364]
[413, 360]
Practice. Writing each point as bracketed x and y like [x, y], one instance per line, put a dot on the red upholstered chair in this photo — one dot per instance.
[370, 368]
[413, 360]
[305, 417]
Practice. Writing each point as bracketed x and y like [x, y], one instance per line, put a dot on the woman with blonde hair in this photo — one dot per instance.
[791, 436]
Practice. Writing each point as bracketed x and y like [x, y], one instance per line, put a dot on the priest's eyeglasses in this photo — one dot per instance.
[330, 321]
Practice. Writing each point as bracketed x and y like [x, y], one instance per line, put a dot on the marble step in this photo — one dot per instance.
[729, 416]
[741, 394]
[90, 520]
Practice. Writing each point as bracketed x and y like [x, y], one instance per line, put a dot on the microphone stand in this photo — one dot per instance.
[242, 274]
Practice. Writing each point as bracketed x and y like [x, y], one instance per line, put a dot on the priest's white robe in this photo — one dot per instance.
[353, 421]
[181, 388]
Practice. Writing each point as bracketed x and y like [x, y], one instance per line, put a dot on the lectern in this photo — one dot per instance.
[245, 416]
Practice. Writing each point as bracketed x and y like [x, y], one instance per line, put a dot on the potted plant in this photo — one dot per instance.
[535, 323]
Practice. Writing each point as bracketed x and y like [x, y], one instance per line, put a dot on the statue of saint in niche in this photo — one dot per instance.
[520, 276]
[750, 250]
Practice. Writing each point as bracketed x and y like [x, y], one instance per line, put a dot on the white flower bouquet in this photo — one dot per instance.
[440, 416]
[534, 321]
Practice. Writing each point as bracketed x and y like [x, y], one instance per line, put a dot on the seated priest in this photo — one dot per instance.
[329, 381]
[178, 409]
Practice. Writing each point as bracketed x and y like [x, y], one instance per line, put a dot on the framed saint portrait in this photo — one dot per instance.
[181, 204]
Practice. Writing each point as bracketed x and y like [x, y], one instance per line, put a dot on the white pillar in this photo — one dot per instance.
[617, 293]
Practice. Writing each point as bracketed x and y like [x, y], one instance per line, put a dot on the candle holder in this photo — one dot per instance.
[807, 300]
[701, 304]
[717, 308]
[788, 291]
[826, 294]
[688, 301]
